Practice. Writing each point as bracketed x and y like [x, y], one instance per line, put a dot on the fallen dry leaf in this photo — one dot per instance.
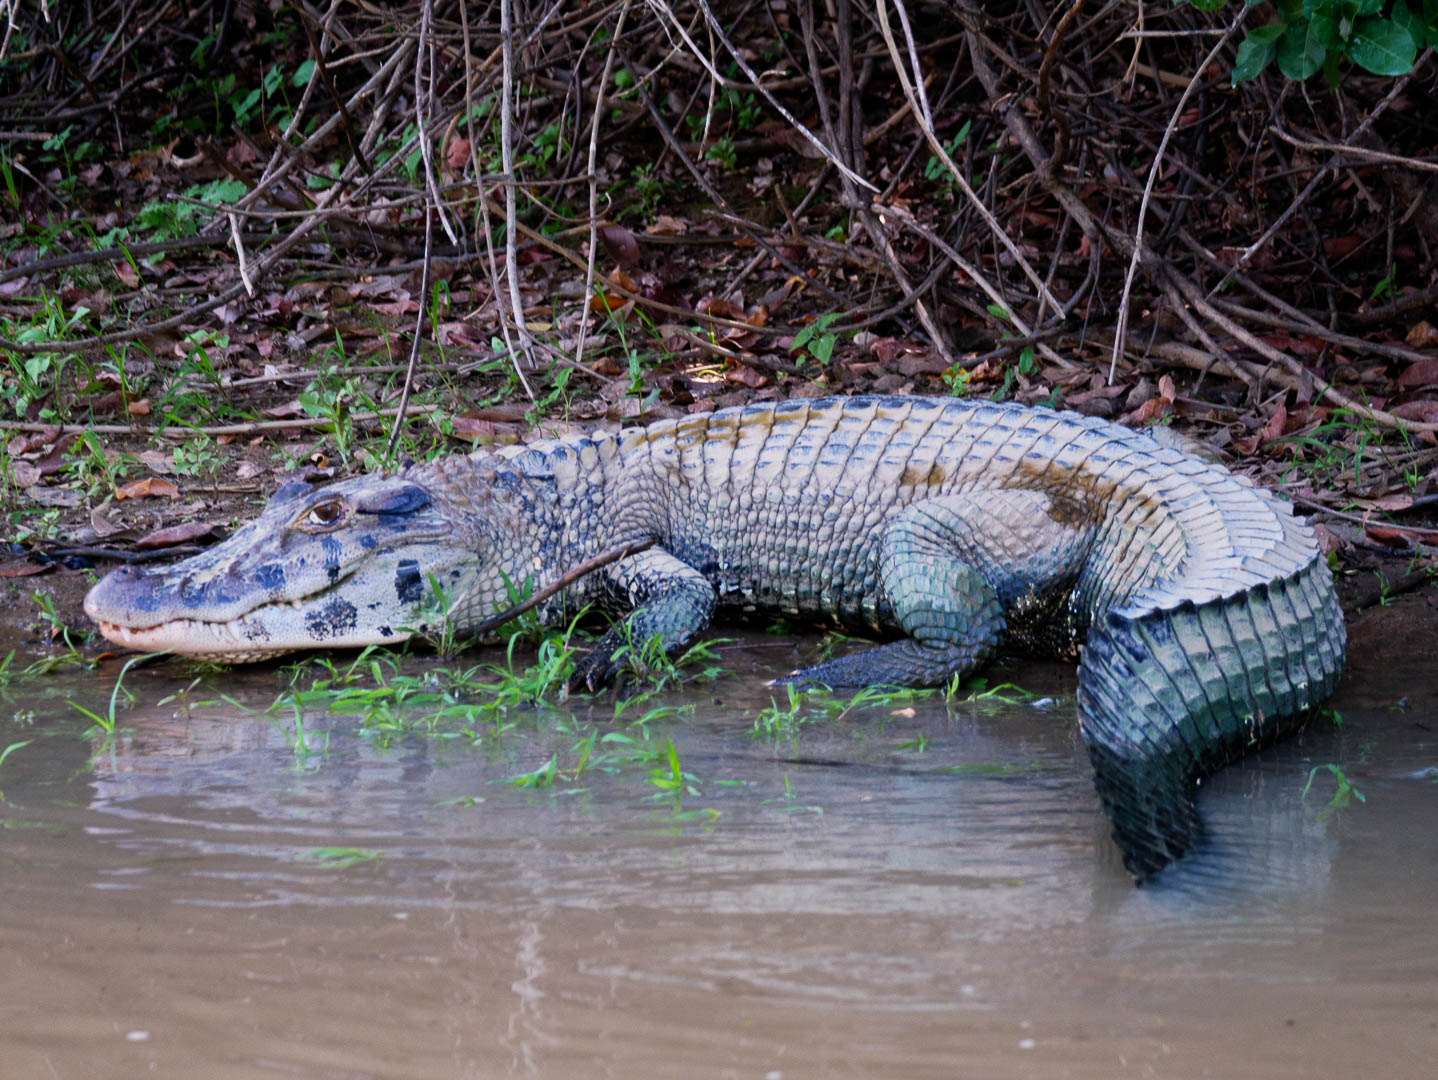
[720, 308]
[620, 244]
[665, 225]
[1424, 412]
[101, 522]
[472, 427]
[175, 534]
[54, 461]
[24, 474]
[620, 279]
[1399, 535]
[456, 154]
[1421, 335]
[1328, 540]
[1274, 427]
[65, 498]
[746, 376]
[1151, 409]
[157, 461]
[150, 486]
[1420, 373]
[24, 568]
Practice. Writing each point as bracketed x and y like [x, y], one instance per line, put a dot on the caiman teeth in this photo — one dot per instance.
[143, 639]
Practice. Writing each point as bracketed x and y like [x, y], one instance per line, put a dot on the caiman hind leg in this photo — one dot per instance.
[962, 574]
[669, 600]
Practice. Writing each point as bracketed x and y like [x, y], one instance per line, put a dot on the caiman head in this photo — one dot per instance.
[347, 564]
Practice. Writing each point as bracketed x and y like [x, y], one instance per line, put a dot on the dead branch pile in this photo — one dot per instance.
[970, 180]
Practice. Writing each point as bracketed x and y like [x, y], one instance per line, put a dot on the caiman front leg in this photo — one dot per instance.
[669, 600]
[962, 573]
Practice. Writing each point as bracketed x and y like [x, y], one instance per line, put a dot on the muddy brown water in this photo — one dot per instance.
[882, 896]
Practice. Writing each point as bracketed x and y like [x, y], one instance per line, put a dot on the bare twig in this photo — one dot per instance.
[913, 88]
[594, 187]
[568, 578]
[524, 354]
[177, 431]
[1138, 246]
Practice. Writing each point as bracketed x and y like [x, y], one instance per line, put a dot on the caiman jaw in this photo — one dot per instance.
[261, 633]
[157, 639]
[221, 642]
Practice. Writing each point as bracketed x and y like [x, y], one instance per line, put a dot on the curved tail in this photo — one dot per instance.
[1169, 695]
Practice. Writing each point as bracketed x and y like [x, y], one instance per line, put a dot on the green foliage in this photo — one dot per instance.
[804, 706]
[1343, 794]
[724, 152]
[31, 377]
[173, 220]
[1380, 36]
[198, 458]
[106, 725]
[13, 747]
[957, 380]
[649, 189]
[732, 109]
[546, 146]
[97, 471]
[341, 858]
[935, 169]
[817, 338]
[307, 747]
[247, 103]
[7, 182]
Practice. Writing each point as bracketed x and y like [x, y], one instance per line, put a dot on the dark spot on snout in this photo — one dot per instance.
[408, 585]
[271, 576]
[385, 631]
[367, 541]
[334, 619]
[332, 550]
[397, 503]
[216, 591]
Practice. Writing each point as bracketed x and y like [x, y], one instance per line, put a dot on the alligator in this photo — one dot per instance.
[1201, 610]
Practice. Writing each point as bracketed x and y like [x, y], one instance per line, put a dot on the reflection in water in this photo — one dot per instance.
[857, 907]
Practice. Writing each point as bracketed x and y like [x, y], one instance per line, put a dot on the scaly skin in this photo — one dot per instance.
[1205, 613]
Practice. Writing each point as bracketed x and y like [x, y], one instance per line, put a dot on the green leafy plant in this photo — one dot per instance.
[305, 746]
[106, 724]
[1380, 36]
[32, 377]
[649, 189]
[817, 338]
[12, 748]
[541, 777]
[341, 858]
[790, 803]
[197, 458]
[98, 471]
[59, 630]
[1343, 793]
[724, 152]
[1026, 363]
[935, 169]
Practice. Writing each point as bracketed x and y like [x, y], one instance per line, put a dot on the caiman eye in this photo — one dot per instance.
[325, 514]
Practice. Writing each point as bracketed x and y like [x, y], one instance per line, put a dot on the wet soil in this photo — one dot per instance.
[885, 894]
